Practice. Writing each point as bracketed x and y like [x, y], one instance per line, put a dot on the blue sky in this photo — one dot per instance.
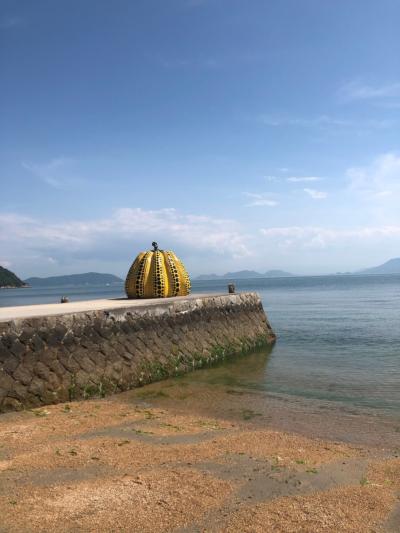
[242, 134]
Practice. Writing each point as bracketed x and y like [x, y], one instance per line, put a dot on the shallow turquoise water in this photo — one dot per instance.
[338, 336]
[338, 339]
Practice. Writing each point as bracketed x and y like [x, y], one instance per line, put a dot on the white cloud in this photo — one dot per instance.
[300, 179]
[380, 179]
[320, 120]
[389, 105]
[316, 195]
[356, 90]
[319, 237]
[327, 123]
[175, 63]
[58, 172]
[195, 3]
[11, 22]
[182, 63]
[117, 237]
[260, 200]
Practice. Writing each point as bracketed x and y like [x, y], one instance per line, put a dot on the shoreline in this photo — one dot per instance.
[13, 287]
[310, 417]
[191, 456]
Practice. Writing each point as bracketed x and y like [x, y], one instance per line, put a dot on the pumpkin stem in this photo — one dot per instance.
[155, 246]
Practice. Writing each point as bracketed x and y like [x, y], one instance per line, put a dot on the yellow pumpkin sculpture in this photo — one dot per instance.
[157, 274]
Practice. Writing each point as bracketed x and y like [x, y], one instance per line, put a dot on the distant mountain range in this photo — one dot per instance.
[390, 267]
[246, 274]
[9, 280]
[89, 278]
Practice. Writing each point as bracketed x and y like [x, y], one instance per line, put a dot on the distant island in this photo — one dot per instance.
[246, 274]
[89, 278]
[390, 267]
[9, 280]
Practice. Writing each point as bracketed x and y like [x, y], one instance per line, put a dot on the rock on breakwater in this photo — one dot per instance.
[120, 345]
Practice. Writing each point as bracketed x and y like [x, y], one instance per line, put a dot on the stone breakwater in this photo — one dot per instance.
[62, 357]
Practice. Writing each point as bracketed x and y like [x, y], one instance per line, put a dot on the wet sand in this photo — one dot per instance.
[183, 455]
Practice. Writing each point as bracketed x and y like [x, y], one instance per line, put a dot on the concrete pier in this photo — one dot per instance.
[60, 352]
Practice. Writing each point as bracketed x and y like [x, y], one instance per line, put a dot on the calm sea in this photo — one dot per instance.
[338, 336]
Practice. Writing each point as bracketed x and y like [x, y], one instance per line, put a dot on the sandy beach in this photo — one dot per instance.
[182, 455]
